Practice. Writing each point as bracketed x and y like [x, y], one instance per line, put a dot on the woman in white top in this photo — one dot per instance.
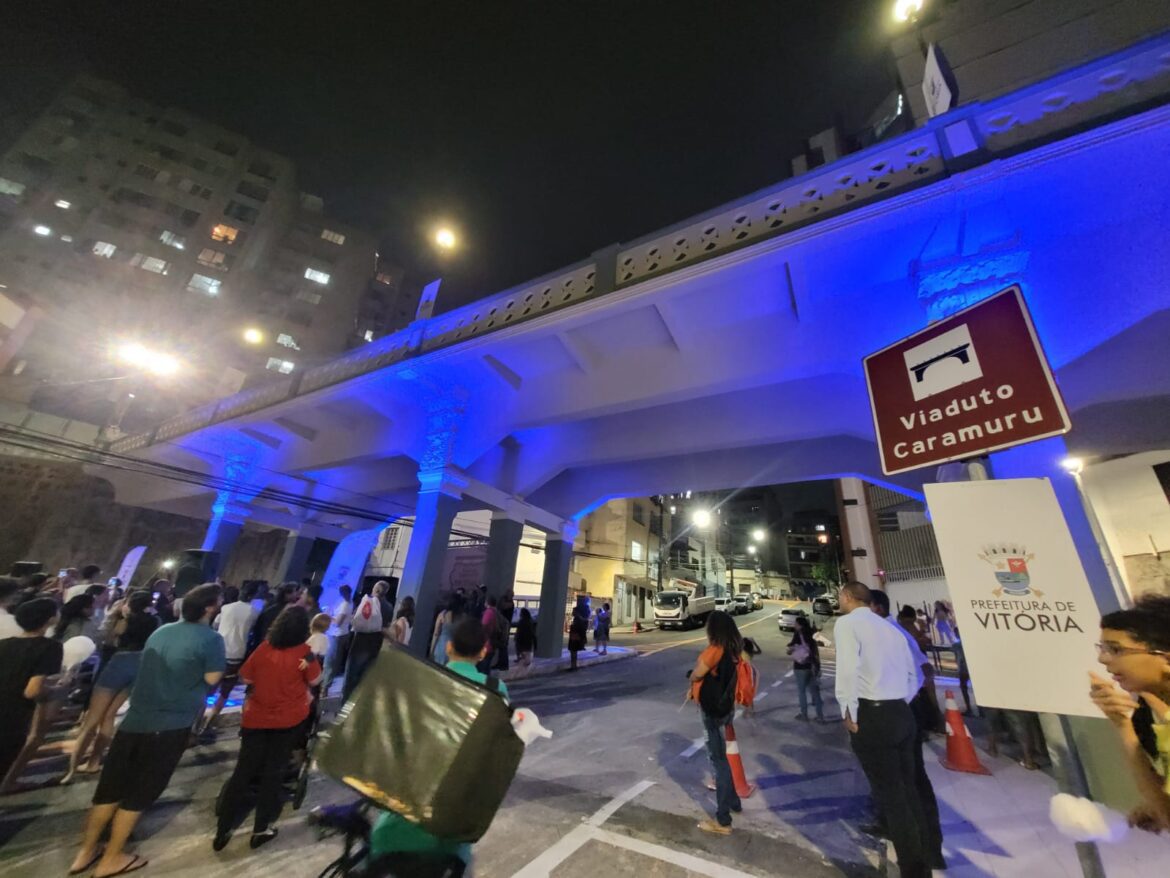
[399, 631]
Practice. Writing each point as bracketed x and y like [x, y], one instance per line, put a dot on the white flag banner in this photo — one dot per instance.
[1027, 617]
[130, 564]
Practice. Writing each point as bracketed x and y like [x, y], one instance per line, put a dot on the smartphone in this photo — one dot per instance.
[113, 581]
[61, 573]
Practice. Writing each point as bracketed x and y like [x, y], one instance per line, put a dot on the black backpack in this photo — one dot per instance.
[717, 691]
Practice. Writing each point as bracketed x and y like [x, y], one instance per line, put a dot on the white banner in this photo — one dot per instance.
[1026, 613]
[130, 564]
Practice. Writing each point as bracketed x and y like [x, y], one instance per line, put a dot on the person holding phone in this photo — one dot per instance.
[1135, 650]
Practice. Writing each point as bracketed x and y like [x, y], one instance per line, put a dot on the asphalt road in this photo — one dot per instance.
[617, 791]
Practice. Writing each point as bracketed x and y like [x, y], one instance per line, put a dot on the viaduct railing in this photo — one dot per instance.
[1122, 84]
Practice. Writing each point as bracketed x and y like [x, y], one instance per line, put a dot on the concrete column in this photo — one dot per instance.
[438, 501]
[292, 561]
[857, 532]
[227, 521]
[499, 573]
[554, 592]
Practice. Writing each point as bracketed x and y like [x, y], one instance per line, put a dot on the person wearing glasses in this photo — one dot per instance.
[1135, 650]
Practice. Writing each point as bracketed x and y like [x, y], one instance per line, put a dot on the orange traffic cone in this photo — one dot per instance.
[743, 789]
[960, 748]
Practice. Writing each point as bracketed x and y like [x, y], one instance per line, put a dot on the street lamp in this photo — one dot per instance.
[168, 564]
[701, 518]
[751, 550]
[252, 335]
[155, 362]
[908, 10]
[758, 534]
[445, 238]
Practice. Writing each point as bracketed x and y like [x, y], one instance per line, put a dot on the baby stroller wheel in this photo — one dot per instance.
[302, 785]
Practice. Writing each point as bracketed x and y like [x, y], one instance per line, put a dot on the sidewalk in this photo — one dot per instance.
[998, 827]
[541, 667]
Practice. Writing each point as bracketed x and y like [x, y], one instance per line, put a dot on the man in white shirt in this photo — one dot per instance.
[879, 602]
[339, 631]
[876, 680]
[234, 623]
[89, 576]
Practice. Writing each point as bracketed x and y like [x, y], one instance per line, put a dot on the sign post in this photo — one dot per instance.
[973, 383]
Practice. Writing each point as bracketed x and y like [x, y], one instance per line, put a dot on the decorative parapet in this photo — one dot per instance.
[899, 164]
[513, 306]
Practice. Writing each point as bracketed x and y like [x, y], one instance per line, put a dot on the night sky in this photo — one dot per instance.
[544, 131]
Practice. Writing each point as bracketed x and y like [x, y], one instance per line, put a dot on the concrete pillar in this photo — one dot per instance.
[292, 561]
[438, 501]
[499, 573]
[227, 521]
[554, 592]
[861, 555]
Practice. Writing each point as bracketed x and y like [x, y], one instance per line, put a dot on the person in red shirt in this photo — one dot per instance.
[279, 675]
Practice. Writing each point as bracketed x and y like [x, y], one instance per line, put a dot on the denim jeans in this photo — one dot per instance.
[804, 682]
[726, 799]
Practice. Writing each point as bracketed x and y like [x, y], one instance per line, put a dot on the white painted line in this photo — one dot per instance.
[777, 683]
[695, 747]
[543, 865]
[664, 854]
[790, 673]
[760, 695]
[605, 813]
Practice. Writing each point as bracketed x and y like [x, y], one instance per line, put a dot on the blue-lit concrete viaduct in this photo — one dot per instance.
[727, 350]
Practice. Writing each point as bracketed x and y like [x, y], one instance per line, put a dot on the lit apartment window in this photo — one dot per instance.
[311, 298]
[63, 204]
[335, 237]
[275, 364]
[384, 278]
[104, 248]
[11, 187]
[320, 277]
[288, 341]
[45, 231]
[637, 551]
[369, 335]
[173, 240]
[201, 283]
[224, 232]
[149, 263]
[68, 239]
[212, 258]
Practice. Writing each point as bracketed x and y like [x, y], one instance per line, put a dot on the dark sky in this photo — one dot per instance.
[543, 130]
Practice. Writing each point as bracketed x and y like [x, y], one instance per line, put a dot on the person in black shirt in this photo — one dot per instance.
[130, 632]
[25, 662]
[1135, 650]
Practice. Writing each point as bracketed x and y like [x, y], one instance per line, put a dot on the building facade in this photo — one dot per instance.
[123, 223]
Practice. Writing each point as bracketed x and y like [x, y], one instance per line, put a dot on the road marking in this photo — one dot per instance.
[761, 695]
[605, 813]
[695, 747]
[790, 673]
[668, 855]
[703, 639]
[777, 683]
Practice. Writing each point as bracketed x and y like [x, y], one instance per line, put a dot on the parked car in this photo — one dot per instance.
[822, 606]
[743, 603]
[757, 601]
[788, 617]
[727, 605]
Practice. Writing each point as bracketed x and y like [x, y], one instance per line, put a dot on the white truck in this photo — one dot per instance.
[682, 604]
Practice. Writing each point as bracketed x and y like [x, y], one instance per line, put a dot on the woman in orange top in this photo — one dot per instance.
[723, 638]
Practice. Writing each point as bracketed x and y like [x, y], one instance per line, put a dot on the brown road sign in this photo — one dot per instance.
[973, 383]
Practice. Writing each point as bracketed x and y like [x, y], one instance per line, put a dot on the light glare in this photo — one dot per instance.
[906, 10]
[43, 231]
[445, 238]
[701, 518]
[252, 335]
[142, 357]
[758, 535]
[1073, 464]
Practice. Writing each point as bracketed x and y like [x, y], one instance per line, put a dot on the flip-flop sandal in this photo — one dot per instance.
[136, 863]
[92, 862]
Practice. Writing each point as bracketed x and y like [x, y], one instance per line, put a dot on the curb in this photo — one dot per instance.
[547, 667]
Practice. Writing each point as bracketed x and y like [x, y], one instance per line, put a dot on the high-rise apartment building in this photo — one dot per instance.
[126, 223]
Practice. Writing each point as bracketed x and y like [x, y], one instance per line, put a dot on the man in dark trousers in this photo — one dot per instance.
[876, 680]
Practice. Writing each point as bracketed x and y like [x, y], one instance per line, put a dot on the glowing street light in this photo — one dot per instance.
[758, 534]
[445, 238]
[908, 10]
[168, 564]
[155, 362]
[701, 518]
[751, 550]
[252, 335]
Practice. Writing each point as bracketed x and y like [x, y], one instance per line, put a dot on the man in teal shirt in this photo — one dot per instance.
[178, 664]
[395, 834]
